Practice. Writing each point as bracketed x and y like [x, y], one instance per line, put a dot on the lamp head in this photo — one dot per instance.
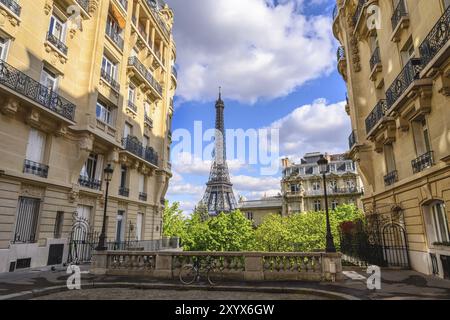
[323, 165]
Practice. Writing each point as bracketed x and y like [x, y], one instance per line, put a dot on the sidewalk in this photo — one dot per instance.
[396, 284]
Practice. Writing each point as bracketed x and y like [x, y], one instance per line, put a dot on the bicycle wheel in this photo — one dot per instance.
[215, 276]
[188, 274]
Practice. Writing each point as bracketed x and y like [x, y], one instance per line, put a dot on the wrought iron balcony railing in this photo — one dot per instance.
[132, 106]
[340, 54]
[108, 78]
[84, 4]
[423, 162]
[134, 146]
[124, 192]
[169, 135]
[391, 178]
[154, 7]
[375, 59]
[358, 11]
[134, 62]
[37, 169]
[13, 6]
[436, 39]
[142, 196]
[376, 115]
[24, 85]
[124, 4]
[352, 140]
[57, 43]
[399, 13]
[89, 183]
[115, 37]
[410, 72]
[148, 121]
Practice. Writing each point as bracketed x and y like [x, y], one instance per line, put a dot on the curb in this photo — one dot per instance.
[26, 295]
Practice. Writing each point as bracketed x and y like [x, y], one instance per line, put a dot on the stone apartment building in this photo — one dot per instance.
[302, 188]
[83, 84]
[395, 60]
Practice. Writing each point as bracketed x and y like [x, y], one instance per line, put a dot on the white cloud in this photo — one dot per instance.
[314, 127]
[186, 163]
[252, 49]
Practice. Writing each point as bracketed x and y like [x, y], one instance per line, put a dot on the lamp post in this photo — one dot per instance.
[323, 168]
[102, 240]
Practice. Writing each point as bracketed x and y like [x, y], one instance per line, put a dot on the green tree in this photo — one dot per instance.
[174, 223]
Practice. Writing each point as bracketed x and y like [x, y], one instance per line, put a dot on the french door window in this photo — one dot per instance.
[4, 45]
[109, 68]
[57, 28]
[49, 79]
[36, 146]
[104, 113]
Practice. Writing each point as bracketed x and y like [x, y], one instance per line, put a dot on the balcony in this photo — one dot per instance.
[352, 140]
[142, 196]
[391, 178]
[13, 6]
[437, 39]
[423, 162]
[31, 89]
[37, 169]
[375, 60]
[134, 146]
[132, 106]
[376, 115]
[124, 4]
[57, 43]
[115, 37]
[342, 61]
[410, 72]
[109, 79]
[87, 182]
[145, 74]
[358, 11]
[148, 121]
[334, 191]
[152, 4]
[124, 192]
[399, 14]
[84, 4]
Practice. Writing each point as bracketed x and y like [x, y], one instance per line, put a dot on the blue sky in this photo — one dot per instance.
[276, 63]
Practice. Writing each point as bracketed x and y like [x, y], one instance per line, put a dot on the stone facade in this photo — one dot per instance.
[395, 59]
[83, 84]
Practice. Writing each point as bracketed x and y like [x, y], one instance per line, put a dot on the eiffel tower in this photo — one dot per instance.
[219, 196]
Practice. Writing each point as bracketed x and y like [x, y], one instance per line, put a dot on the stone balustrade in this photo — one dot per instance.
[239, 266]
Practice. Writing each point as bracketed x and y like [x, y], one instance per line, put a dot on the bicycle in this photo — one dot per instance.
[191, 272]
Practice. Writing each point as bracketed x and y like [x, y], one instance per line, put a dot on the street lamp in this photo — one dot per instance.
[102, 240]
[323, 169]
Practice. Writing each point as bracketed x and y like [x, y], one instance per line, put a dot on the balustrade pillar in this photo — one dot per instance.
[254, 269]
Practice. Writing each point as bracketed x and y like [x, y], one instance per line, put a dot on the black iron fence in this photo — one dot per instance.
[133, 145]
[391, 178]
[340, 54]
[13, 6]
[148, 121]
[23, 84]
[84, 4]
[375, 59]
[109, 79]
[136, 63]
[89, 183]
[376, 115]
[124, 192]
[423, 162]
[115, 37]
[37, 169]
[61, 46]
[410, 72]
[436, 39]
[399, 13]
[132, 106]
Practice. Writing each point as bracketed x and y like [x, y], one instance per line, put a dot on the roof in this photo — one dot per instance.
[272, 202]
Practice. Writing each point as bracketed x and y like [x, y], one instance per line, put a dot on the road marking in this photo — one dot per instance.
[353, 275]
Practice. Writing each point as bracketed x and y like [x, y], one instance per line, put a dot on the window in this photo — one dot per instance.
[36, 146]
[349, 166]
[131, 93]
[440, 223]
[104, 113]
[145, 142]
[334, 204]
[123, 177]
[332, 184]
[389, 158]
[139, 224]
[93, 168]
[27, 220]
[58, 225]
[294, 188]
[373, 42]
[142, 183]
[408, 52]
[57, 28]
[317, 205]
[316, 185]
[350, 184]
[147, 109]
[4, 45]
[109, 68]
[250, 215]
[120, 226]
[421, 136]
[49, 79]
[127, 130]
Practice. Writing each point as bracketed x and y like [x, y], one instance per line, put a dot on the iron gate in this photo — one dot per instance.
[380, 239]
[82, 241]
